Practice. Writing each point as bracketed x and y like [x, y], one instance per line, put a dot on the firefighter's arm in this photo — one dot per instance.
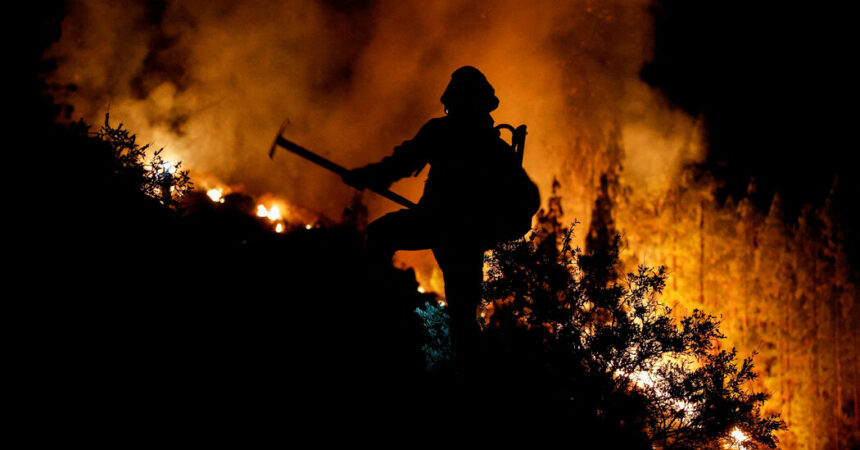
[407, 159]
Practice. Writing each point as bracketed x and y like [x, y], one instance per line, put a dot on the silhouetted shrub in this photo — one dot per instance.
[599, 348]
[157, 178]
[437, 348]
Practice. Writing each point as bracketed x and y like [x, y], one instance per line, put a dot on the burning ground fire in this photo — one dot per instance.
[651, 381]
[216, 195]
[278, 213]
[273, 213]
[738, 437]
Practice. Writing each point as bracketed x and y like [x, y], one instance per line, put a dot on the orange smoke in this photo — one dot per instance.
[211, 81]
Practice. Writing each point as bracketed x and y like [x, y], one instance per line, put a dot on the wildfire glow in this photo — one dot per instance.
[421, 289]
[273, 213]
[737, 436]
[216, 195]
[642, 379]
[595, 54]
[650, 381]
[281, 213]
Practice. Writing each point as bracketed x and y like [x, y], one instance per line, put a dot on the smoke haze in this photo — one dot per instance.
[212, 82]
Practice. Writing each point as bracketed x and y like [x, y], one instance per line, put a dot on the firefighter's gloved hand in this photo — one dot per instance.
[357, 178]
[365, 177]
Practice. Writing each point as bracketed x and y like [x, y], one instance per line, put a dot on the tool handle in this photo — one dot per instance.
[311, 156]
[402, 201]
[337, 168]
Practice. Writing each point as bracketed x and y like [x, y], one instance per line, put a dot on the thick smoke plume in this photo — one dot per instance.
[212, 82]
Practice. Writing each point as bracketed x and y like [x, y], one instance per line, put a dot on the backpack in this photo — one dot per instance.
[517, 198]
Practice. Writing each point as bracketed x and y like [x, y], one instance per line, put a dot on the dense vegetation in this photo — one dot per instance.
[197, 310]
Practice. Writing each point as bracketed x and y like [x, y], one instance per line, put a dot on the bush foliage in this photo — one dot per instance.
[612, 353]
[156, 177]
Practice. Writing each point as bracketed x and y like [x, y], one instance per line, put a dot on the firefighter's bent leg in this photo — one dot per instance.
[462, 269]
[401, 230]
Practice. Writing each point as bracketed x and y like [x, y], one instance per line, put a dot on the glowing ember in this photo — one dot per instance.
[262, 211]
[279, 228]
[308, 227]
[421, 289]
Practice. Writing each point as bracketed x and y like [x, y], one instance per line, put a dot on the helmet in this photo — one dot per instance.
[470, 91]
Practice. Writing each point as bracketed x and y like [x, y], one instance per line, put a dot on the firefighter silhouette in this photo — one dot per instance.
[474, 175]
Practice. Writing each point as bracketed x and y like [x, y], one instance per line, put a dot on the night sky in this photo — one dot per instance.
[773, 83]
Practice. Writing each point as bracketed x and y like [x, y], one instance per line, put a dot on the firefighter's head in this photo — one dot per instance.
[469, 92]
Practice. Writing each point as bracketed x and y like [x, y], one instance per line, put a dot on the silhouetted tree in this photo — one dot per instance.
[156, 177]
[602, 350]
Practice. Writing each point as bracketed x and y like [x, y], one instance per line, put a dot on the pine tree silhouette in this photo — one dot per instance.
[563, 328]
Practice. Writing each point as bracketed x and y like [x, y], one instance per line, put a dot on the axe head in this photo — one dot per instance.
[275, 142]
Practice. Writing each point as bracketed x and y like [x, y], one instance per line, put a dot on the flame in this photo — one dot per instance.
[216, 195]
[273, 213]
[737, 437]
[653, 382]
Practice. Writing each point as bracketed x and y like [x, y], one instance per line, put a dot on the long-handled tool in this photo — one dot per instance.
[280, 141]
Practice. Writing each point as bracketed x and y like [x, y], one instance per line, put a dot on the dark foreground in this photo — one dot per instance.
[203, 325]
